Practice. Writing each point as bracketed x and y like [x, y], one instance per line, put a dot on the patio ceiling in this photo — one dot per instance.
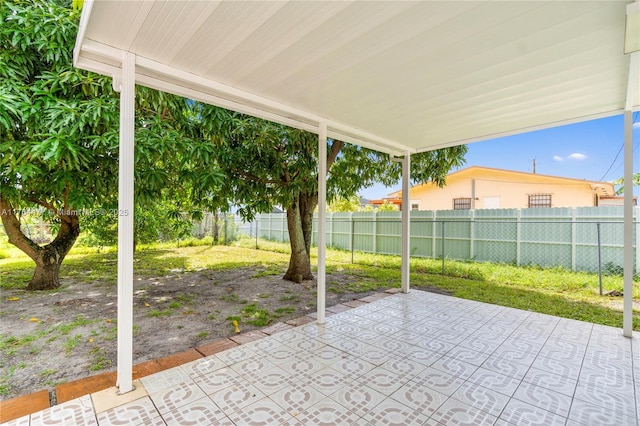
[395, 76]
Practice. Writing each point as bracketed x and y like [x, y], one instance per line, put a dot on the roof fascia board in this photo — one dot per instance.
[162, 77]
[348, 132]
[82, 29]
[227, 92]
[210, 99]
[523, 130]
[176, 88]
[96, 66]
[360, 142]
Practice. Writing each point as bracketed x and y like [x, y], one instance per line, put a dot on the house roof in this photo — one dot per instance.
[397, 76]
[476, 172]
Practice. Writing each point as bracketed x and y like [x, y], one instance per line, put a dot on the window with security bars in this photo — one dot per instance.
[462, 203]
[539, 200]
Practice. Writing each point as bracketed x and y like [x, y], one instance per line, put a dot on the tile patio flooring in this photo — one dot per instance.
[408, 359]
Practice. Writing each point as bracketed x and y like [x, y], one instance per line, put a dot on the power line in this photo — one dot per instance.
[612, 163]
[618, 154]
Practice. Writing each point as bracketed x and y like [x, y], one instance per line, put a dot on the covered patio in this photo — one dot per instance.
[401, 78]
[405, 359]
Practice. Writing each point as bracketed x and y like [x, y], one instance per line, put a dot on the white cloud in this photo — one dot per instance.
[577, 156]
[557, 158]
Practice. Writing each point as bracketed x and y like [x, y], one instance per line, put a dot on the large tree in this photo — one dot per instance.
[59, 136]
[267, 164]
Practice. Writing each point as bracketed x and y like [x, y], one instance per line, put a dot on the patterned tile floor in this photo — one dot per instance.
[408, 359]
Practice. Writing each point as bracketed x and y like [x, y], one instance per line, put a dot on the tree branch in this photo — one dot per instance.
[12, 226]
[257, 179]
[336, 147]
[50, 207]
[65, 204]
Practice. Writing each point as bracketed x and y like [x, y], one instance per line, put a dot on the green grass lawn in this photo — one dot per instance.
[550, 291]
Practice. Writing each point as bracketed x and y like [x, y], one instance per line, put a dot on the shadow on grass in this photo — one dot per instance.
[101, 267]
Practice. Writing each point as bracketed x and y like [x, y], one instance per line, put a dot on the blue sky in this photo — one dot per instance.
[583, 151]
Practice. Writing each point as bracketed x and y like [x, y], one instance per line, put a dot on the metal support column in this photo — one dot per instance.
[126, 83]
[627, 321]
[406, 217]
[322, 213]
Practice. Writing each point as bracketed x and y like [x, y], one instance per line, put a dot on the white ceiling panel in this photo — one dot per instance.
[393, 75]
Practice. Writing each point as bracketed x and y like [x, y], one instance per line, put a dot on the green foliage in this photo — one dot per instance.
[284, 311]
[268, 164]
[620, 183]
[290, 298]
[352, 204]
[387, 207]
[260, 317]
[256, 315]
[156, 313]
[202, 335]
[71, 343]
[55, 119]
[348, 204]
[99, 359]
[59, 134]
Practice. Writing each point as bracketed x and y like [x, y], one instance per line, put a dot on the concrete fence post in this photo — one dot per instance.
[472, 234]
[330, 226]
[374, 233]
[434, 231]
[574, 238]
[518, 236]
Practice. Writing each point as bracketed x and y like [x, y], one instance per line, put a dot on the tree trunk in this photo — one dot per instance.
[300, 226]
[216, 231]
[47, 273]
[308, 203]
[299, 262]
[48, 258]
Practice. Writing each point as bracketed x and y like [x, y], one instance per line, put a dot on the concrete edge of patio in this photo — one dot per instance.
[23, 405]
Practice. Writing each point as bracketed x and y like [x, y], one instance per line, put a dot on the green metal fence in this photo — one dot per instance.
[579, 239]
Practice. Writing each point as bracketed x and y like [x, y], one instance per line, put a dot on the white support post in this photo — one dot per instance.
[322, 213]
[636, 219]
[406, 212]
[627, 321]
[125, 224]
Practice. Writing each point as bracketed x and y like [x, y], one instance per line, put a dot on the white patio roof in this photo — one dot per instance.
[396, 76]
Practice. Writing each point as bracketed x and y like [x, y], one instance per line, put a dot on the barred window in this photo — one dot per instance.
[539, 200]
[462, 203]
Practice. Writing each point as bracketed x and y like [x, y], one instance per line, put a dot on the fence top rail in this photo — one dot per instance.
[484, 220]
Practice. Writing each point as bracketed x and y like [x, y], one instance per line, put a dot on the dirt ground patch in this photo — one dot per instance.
[49, 338]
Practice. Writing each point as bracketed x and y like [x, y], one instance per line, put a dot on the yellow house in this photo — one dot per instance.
[487, 188]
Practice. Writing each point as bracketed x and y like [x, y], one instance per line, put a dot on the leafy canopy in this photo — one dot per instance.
[59, 126]
[268, 164]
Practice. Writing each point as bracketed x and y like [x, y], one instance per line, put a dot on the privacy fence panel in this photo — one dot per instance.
[579, 239]
[494, 236]
[339, 233]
